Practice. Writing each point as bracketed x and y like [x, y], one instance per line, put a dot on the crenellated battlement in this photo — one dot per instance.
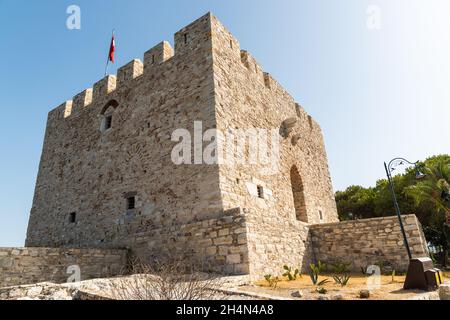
[157, 55]
[187, 41]
[252, 65]
[130, 71]
[81, 100]
[105, 86]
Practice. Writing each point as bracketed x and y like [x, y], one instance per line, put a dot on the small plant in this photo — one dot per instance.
[273, 281]
[393, 275]
[342, 280]
[364, 270]
[315, 272]
[321, 290]
[380, 264]
[340, 267]
[289, 274]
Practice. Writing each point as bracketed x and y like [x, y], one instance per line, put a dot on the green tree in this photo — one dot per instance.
[355, 202]
[434, 190]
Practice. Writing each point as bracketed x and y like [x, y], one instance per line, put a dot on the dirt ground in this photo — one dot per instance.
[389, 288]
[226, 288]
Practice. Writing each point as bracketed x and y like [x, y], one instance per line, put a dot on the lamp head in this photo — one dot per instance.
[419, 174]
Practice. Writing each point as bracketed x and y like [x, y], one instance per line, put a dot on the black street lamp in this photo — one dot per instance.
[421, 272]
[389, 169]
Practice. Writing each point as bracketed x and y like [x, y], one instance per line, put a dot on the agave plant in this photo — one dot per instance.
[342, 280]
[316, 270]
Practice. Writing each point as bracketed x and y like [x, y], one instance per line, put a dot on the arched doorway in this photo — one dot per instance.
[298, 194]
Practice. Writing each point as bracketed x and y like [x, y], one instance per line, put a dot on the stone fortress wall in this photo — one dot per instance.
[90, 173]
[298, 192]
[20, 266]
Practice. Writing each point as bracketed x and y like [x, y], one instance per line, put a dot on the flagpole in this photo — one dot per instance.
[107, 58]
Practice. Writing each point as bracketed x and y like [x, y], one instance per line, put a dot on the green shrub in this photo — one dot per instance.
[340, 267]
[289, 274]
[273, 281]
[342, 280]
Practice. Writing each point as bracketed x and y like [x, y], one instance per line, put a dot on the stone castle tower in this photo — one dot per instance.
[107, 178]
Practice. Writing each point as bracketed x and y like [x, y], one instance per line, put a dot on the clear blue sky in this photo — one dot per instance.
[376, 93]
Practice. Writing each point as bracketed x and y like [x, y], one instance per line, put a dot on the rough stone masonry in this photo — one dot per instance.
[107, 180]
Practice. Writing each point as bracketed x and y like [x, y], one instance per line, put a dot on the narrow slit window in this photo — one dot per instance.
[131, 203]
[107, 114]
[108, 122]
[320, 215]
[185, 38]
[231, 44]
[72, 217]
[153, 59]
[260, 192]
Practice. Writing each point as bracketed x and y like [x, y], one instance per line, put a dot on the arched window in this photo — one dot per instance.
[298, 195]
[107, 115]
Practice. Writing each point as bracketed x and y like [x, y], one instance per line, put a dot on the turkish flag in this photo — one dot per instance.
[112, 49]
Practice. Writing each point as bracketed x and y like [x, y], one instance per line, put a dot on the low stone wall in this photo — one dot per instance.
[274, 243]
[368, 242]
[219, 244]
[32, 265]
[236, 243]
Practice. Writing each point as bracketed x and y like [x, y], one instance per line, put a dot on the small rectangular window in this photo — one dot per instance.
[260, 192]
[131, 203]
[108, 122]
[72, 217]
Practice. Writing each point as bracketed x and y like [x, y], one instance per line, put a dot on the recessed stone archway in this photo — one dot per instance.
[298, 195]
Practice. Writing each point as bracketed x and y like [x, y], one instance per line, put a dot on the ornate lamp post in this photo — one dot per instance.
[393, 164]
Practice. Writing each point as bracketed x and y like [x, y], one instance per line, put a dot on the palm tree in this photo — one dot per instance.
[434, 189]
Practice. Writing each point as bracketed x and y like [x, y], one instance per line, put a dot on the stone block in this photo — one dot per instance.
[104, 86]
[130, 71]
[234, 258]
